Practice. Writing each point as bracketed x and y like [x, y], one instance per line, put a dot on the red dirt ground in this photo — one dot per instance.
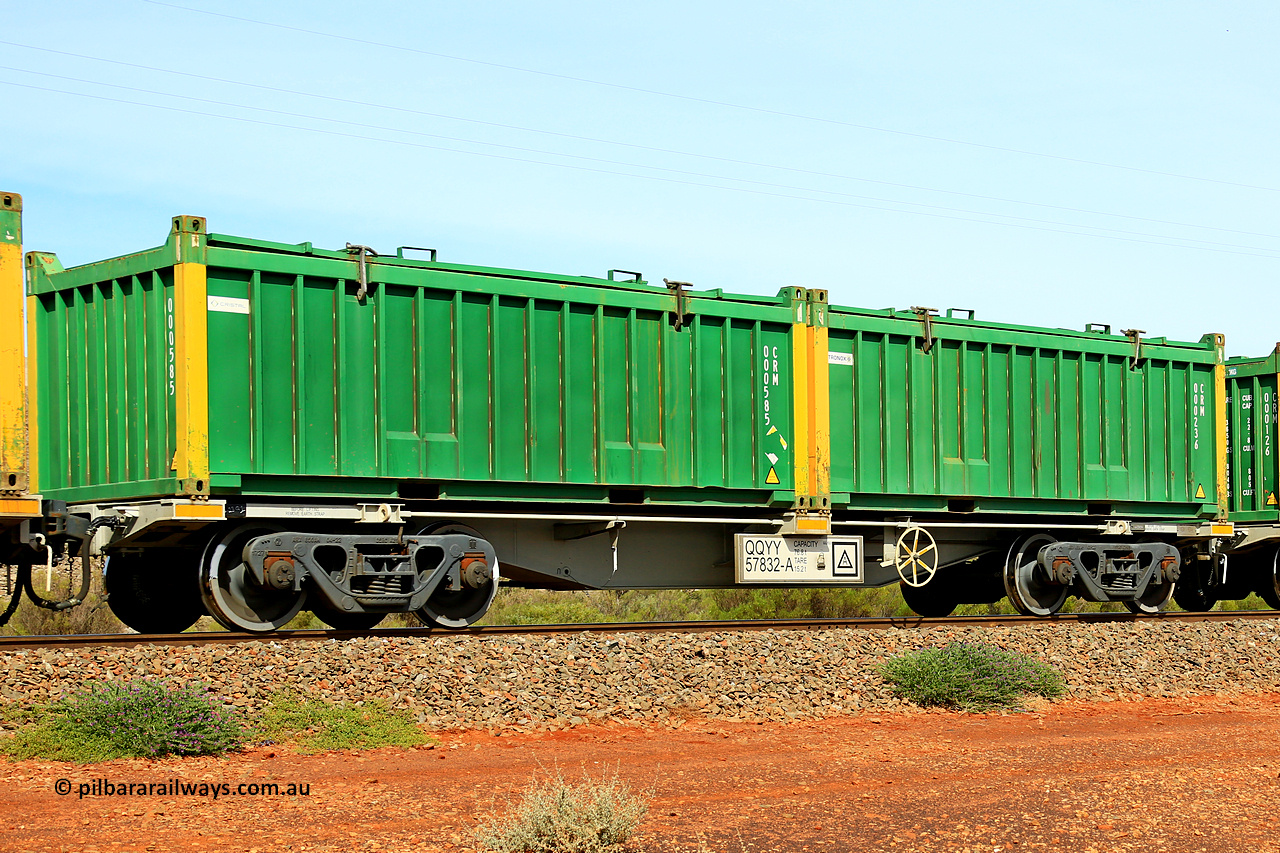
[1156, 775]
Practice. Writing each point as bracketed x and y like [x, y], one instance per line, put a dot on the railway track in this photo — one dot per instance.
[197, 638]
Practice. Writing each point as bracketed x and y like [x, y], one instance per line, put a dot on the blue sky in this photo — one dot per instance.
[1044, 163]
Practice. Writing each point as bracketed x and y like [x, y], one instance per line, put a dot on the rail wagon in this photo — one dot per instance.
[1248, 562]
[1036, 462]
[248, 428]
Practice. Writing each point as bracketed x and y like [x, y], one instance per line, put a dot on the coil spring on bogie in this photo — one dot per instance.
[1120, 581]
[381, 585]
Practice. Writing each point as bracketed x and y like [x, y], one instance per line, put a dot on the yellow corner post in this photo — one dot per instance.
[1220, 427]
[820, 397]
[15, 449]
[33, 399]
[802, 386]
[191, 356]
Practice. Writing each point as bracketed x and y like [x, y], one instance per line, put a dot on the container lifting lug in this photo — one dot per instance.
[1134, 335]
[400, 250]
[361, 252]
[682, 301]
[926, 316]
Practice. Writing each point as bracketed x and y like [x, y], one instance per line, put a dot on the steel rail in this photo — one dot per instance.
[195, 638]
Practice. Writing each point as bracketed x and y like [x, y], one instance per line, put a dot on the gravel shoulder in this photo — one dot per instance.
[534, 682]
[747, 741]
[1156, 774]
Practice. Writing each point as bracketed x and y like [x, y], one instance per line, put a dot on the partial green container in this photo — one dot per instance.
[440, 381]
[1253, 439]
[965, 415]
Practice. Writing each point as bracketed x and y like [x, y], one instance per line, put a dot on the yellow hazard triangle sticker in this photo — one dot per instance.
[1271, 499]
[772, 479]
[1200, 492]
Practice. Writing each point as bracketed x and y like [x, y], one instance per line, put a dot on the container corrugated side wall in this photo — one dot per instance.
[490, 384]
[445, 380]
[105, 383]
[1020, 419]
[1254, 412]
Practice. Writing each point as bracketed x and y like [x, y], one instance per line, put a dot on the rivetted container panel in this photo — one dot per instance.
[436, 380]
[974, 416]
[1254, 416]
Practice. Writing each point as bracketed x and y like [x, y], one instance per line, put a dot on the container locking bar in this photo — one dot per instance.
[1134, 335]
[682, 302]
[926, 316]
[361, 252]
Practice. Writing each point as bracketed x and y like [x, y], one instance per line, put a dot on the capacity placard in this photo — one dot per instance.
[775, 558]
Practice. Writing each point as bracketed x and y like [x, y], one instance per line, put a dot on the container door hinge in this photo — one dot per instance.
[926, 316]
[362, 270]
[682, 302]
[1135, 336]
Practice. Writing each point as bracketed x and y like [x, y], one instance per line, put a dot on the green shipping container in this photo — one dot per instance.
[1252, 424]
[305, 373]
[962, 415]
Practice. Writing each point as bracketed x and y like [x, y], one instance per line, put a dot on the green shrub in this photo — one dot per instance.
[971, 677]
[140, 719]
[556, 817]
[316, 725]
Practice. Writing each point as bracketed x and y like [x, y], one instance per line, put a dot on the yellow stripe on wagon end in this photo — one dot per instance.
[199, 510]
[814, 524]
[28, 507]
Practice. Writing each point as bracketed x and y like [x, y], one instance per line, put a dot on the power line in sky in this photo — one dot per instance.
[709, 101]
[1162, 240]
[597, 140]
[625, 164]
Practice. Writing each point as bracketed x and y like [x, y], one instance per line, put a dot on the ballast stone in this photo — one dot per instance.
[553, 682]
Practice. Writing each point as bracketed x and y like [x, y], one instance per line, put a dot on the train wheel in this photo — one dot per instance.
[154, 592]
[1192, 590]
[457, 608]
[344, 621]
[1269, 583]
[1192, 598]
[230, 592]
[1029, 591]
[933, 600]
[1153, 600]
